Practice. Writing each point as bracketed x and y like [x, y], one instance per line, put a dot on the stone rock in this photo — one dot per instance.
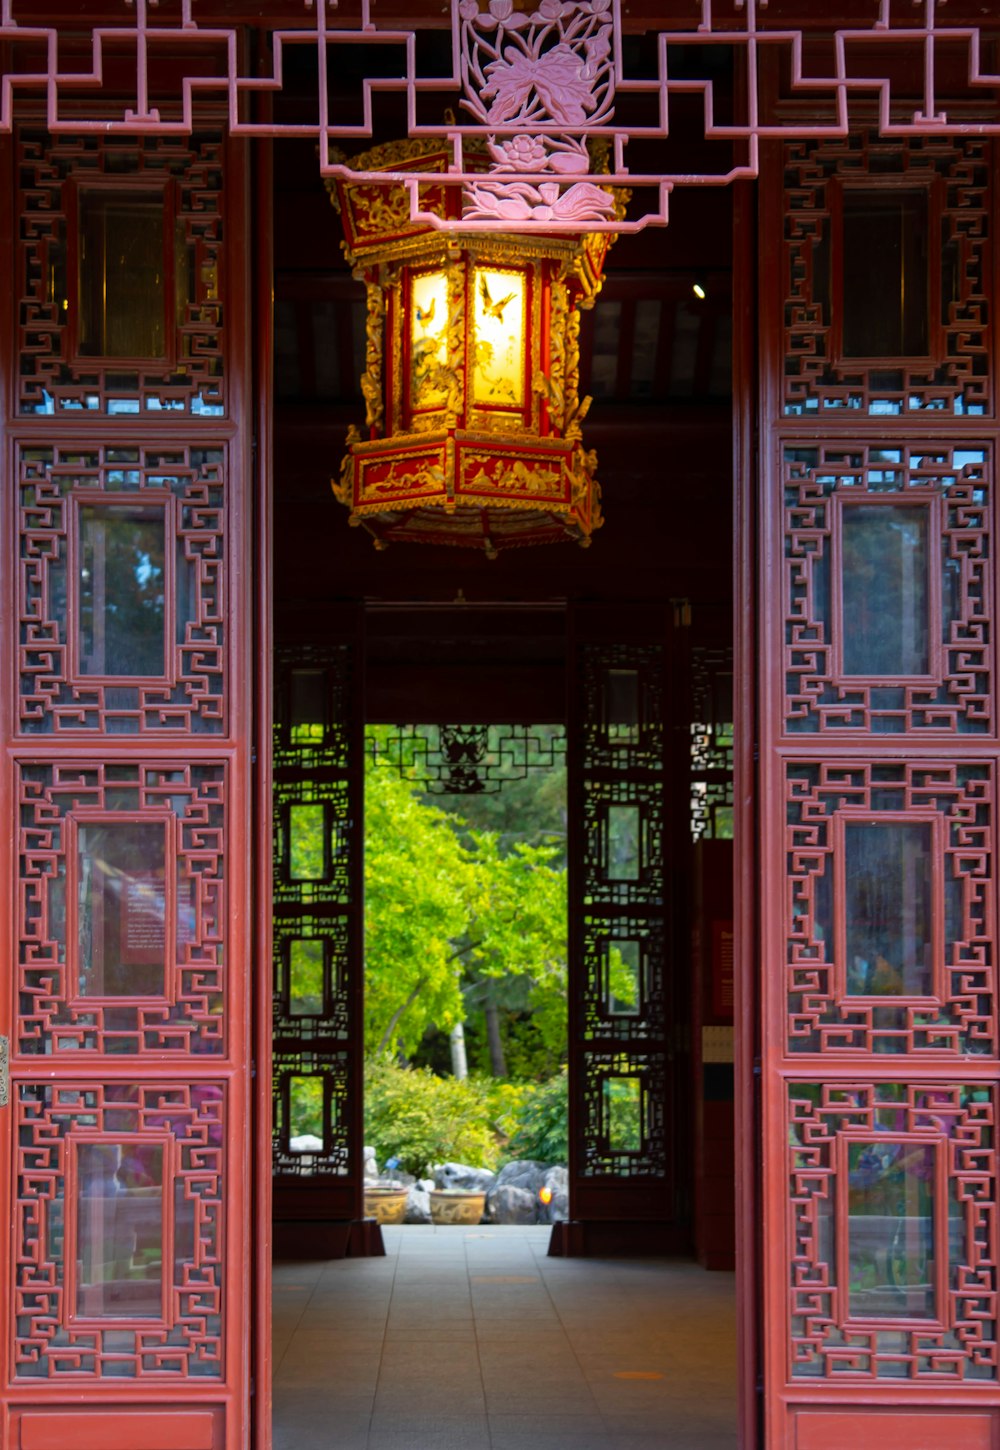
[418, 1202]
[523, 1173]
[556, 1180]
[509, 1204]
[459, 1175]
[371, 1165]
[306, 1143]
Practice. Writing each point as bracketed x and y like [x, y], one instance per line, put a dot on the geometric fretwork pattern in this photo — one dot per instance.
[841, 1139]
[711, 743]
[954, 174]
[950, 486]
[52, 171]
[604, 1017]
[623, 842]
[312, 819]
[624, 1131]
[621, 701]
[60, 801]
[618, 935]
[185, 487]
[327, 1014]
[184, 1123]
[329, 1072]
[959, 1014]
[317, 1029]
[312, 705]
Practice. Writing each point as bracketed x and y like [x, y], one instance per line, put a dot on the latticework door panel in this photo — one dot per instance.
[126, 782]
[879, 760]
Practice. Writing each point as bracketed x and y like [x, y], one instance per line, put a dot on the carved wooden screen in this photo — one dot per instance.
[125, 783]
[318, 944]
[879, 758]
[622, 1068]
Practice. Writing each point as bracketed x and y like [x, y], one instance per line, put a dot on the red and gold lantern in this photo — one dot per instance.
[473, 428]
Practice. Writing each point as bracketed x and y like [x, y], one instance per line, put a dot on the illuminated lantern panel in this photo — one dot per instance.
[473, 425]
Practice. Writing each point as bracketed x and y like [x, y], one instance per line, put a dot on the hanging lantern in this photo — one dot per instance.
[473, 427]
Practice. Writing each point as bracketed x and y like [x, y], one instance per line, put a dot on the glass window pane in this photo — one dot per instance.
[886, 278]
[309, 690]
[888, 873]
[623, 1114]
[305, 972]
[305, 1112]
[121, 887]
[623, 857]
[119, 1251]
[885, 594]
[307, 839]
[122, 275]
[621, 703]
[122, 590]
[890, 1229]
[623, 990]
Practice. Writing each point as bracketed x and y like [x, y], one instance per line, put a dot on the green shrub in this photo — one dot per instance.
[542, 1128]
[421, 1119]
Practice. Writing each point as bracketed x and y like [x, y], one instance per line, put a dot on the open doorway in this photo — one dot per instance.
[553, 634]
[466, 965]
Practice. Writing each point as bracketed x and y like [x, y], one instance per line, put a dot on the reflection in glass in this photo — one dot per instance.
[885, 595]
[307, 838]
[122, 582]
[121, 914]
[623, 987]
[886, 295]
[305, 973]
[498, 337]
[623, 1114]
[122, 275]
[887, 889]
[891, 1229]
[119, 1251]
[623, 860]
[428, 339]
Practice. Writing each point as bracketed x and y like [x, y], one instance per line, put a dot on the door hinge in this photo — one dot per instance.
[4, 1071]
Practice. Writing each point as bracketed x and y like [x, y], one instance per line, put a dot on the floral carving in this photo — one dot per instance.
[528, 69]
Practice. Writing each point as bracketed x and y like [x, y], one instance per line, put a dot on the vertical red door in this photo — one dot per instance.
[125, 785]
[878, 433]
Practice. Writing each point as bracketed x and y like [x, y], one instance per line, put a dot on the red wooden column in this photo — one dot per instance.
[125, 791]
[879, 755]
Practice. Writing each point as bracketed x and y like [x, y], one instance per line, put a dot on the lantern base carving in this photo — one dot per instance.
[470, 490]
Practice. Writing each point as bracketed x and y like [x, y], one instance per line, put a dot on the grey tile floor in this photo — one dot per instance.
[472, 1339]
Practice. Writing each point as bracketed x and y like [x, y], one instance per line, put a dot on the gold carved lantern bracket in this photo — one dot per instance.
[473, 420]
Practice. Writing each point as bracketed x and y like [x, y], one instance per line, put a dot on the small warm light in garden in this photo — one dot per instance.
[545, 1194]
[699, 290]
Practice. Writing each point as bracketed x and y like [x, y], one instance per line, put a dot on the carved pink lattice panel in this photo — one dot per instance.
[951, 487]
[955, 174]
[54, 172]
[122, 908]
[157, 1142]
[178, 601]
[931, 993]
[893, 1231]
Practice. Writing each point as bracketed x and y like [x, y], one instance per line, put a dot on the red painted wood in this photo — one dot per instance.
[869, 1429]
[158, 1428]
